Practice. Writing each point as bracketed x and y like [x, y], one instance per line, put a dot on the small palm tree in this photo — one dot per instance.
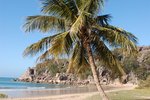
[81, 34]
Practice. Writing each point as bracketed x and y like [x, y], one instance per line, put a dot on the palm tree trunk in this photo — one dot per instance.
[93, 68]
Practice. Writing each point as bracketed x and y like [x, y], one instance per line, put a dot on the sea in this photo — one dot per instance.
[9, 83]
[15, 89]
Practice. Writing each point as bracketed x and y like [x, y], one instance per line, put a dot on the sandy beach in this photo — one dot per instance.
[73, 96]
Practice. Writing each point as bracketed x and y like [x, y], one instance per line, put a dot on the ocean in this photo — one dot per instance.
[14, 89]
[9, 83]
[23, 89]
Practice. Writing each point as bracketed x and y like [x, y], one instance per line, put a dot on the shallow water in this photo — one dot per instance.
[21, 93]
[8, 83]
[15, 93]
[22, 89]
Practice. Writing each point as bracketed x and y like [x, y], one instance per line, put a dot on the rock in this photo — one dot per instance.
[63, 77]
[28, 75]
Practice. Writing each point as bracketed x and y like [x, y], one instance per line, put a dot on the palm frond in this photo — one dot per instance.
[61, 44]
[72, 5]
[39, 46]
[75, 28]
[95, 6]
[46, 55]
[78, 60]
[60, 8]
[128, 34]
[91, 6]
[102, 52]
[44, 23]
[103, 19]
[118, 38]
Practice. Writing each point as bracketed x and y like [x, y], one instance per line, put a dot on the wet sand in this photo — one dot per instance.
[21, 93]
[80, 95]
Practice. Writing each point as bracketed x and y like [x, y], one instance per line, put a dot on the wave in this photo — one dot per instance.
[6, 84]
[36, 88]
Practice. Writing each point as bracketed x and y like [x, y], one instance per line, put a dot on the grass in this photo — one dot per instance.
[136, 94]
[3, 96]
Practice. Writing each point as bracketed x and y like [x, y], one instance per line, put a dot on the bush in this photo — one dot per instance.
[144, 83]
[3, 96]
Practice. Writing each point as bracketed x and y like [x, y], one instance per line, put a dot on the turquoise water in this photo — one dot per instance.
[8, 83]
[22, 89]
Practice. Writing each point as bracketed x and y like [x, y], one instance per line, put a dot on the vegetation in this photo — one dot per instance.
[52, 67]
[144, 62]
[130, 62]
[136, 94]
[138, 64]
[144, 83]
[3, 96]
[82, 34]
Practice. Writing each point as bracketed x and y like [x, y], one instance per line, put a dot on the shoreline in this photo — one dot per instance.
[66, 91]
[22, 93]
[73, 96]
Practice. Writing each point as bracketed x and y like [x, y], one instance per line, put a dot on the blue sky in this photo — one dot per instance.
[132, 15]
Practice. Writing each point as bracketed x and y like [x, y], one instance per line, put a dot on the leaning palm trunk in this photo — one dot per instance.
[93, 68]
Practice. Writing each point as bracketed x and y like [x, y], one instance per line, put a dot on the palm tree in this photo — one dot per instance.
[81, 34]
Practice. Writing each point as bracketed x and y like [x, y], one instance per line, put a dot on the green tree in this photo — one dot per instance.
[81, 34]
[129, 62]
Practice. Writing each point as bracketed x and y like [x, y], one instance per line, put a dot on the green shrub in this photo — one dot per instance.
[3, 96]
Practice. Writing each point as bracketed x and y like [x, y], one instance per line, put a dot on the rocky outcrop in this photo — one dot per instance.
[52, 72]
[59, 78]
[104, 75]
[144, 54]
[40, 74]
[28, 76]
